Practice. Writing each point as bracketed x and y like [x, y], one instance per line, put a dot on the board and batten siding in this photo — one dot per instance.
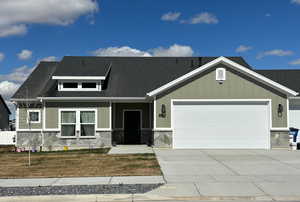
[23, 113]
[236, 86]
[52, 110]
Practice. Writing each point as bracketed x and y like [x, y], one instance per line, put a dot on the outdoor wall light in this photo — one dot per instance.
[163, 111]
[280, 110]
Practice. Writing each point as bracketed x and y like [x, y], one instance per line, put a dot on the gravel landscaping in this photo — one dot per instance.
[78, 189]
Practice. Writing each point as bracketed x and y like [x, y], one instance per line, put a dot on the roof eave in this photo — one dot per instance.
[93, 98]
[97, 78]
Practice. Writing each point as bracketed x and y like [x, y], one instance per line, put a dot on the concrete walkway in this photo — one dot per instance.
[273, 174]
[131, 149]
[34, 182]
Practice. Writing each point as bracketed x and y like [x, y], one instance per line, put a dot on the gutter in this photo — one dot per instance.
[21, 99]
[93, 98]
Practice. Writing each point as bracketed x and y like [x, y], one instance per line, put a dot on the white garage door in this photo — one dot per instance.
[226, 124]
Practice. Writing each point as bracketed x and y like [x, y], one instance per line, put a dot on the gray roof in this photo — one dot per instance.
[287, 77]
[82, 66]
[126, 76]
[4, 104]
[37, 81]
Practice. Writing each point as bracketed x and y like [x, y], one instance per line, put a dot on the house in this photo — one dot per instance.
[4, 115]
[178, 102]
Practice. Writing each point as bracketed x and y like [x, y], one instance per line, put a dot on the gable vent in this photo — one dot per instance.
[220, 74]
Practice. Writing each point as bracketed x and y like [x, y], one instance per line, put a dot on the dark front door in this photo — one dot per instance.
[132, 127]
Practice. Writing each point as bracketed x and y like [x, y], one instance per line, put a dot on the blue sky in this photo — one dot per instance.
[265, 32]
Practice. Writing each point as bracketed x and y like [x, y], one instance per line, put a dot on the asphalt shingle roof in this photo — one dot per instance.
[127, 76]
[82, 66]
[36, 82]
[287, 77]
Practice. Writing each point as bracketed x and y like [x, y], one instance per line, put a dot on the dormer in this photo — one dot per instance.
[81, 73]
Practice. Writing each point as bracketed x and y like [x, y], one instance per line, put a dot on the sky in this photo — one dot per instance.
[265, 32]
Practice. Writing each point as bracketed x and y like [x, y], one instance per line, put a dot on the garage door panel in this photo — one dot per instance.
[221, 125]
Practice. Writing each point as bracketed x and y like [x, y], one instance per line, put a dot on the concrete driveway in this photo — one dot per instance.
[270, 174]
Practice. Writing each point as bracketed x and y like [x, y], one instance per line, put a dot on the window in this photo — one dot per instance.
[70, 85]
[87, 123]
[82, 121]
[89, 85]
[68, 123]
[33, 116]
[79, 86]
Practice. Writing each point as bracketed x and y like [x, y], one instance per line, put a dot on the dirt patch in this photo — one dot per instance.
[77, 164]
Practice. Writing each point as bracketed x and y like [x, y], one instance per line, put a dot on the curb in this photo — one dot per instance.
[138, 197]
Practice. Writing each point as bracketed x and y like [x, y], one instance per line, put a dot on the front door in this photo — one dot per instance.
[132, 127]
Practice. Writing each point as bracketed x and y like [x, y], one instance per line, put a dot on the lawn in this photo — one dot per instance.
[80, 163]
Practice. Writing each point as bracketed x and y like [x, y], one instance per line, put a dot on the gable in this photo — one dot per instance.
[236, 86]
[230, 64]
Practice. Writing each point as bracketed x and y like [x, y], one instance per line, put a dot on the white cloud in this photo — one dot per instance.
[275, 52]
[295, 1]
[268, 15]
[49, 59]
[170, 16]
[8, 88]
[9, 30]
[120, 51]
[17, 14]
[25, 54]
[18, 74]
[243, 48]
[202, 18]
[2, 56]
[295, 62]
[174, 50]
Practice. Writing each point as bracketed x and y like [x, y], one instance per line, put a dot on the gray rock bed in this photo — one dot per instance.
[78, 189]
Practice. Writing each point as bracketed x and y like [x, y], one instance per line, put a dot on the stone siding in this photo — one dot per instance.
[279, 139]
[163, 139]
[50, 141]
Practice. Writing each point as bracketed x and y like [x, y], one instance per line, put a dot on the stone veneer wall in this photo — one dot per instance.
[279, 139]
[163, 139]
[49, 141]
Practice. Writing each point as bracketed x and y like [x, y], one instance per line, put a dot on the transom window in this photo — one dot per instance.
[33, 116]
[79, 86]
[78, 121]
[89, 85]
[70, 85]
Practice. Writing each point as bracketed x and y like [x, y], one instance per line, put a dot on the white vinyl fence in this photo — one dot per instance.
[7, 137]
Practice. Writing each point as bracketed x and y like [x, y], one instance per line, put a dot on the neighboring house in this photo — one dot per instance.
[4, 115]
[178, 102]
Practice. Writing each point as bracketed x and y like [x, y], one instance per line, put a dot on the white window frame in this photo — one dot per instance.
[79, 87]
[33, 110]
[95, 126]
[60, 124]
[78, 124]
